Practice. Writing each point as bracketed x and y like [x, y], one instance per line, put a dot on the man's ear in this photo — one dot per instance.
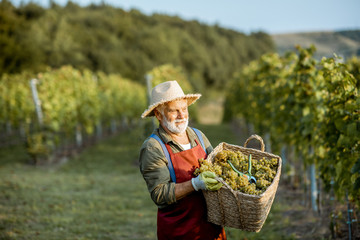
[157, 114]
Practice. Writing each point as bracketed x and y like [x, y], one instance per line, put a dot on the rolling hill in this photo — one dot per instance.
[343, 43]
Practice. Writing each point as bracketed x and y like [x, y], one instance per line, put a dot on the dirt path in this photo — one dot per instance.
[211, 112]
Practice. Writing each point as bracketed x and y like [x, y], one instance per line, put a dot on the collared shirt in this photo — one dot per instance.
[154, 165]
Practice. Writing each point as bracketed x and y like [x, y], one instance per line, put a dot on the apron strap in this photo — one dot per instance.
[167, 155]
[198, 134]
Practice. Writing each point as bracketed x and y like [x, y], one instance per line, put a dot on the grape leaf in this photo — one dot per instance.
[352, 130]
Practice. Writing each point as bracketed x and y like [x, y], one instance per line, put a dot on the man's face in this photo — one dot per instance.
[176, 116]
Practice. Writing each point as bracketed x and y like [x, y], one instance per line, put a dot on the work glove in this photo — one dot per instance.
[206, 181]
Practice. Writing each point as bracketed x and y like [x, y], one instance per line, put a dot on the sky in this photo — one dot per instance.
[271, 16]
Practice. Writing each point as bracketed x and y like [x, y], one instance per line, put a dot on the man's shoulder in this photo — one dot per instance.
[193, 131]
[150, 143]
[196, 129]
[151, 151]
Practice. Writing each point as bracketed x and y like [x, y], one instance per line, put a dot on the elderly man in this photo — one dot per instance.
[168, 159]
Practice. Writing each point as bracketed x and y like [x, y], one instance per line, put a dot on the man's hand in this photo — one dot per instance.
[206, 181]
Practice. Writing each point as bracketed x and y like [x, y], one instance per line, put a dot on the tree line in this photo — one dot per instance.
[112, 40]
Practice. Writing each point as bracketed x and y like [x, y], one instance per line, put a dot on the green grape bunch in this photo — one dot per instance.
[264, 170]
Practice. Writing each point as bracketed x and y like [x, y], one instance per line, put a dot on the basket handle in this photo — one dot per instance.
[254, 136]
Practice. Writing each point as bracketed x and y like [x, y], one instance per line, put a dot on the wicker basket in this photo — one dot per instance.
[235, 209]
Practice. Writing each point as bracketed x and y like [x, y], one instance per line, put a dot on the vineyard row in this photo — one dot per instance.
[65, 104]
[311, 106]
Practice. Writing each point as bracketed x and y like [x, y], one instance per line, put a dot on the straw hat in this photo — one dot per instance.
[167, 92]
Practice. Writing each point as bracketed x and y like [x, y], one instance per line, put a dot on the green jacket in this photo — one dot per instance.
[153, 165]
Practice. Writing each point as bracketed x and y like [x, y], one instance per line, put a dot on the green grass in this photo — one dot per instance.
[100, 194]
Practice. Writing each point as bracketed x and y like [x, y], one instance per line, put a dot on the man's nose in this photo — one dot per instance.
[181, 114]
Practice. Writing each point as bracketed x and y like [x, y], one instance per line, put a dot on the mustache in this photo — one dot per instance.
[180, 120]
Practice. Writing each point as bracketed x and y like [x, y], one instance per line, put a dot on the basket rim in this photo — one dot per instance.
[275, 180]
[249, 149]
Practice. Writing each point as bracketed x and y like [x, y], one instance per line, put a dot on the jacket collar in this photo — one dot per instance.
[167, 139]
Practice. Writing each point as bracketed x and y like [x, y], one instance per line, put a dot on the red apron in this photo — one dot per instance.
[186, 219]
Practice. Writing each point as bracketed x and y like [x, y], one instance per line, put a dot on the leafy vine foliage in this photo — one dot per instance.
[70, 99]
[311, 105]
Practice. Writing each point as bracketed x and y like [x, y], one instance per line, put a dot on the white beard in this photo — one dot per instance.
[176, 129]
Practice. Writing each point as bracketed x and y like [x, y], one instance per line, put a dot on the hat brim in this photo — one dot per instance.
[191, 98]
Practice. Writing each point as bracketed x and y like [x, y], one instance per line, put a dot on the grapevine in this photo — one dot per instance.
[71, 101]
[310, 106]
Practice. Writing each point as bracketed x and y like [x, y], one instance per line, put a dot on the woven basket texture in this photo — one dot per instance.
[235, 209]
